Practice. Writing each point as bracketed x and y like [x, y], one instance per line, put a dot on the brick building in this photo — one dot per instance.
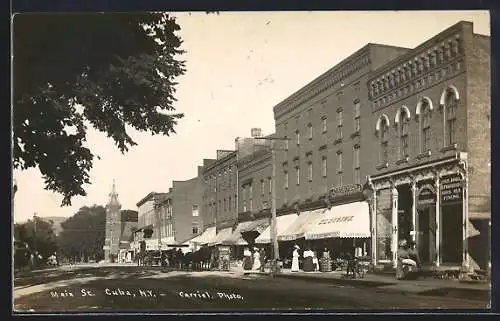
[325, 122]
[220, 196]
[429, 133]
[185, 202]
[149, 221]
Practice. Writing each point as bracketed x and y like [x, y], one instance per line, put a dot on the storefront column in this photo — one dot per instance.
[374, 227]
[414, 211]
[395, 240]
[465, 227]
[438, 219]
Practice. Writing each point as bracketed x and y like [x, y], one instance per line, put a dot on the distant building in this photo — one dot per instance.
[113, 225]
[120, 225]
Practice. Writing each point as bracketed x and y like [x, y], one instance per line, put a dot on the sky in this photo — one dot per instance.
[239, 66]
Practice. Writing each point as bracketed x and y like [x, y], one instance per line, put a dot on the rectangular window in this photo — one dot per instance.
[270, 182]
[195, 210]
[286, 142]
[357, 116]
[340, 177]
[262, 187]
[244, 205]
[310, 171]
[297, 174]
[426, 127]
[285, 182]
[324, 164]
[225, 205]
[339, 162]
[356, 169]
[250, 205]
[324, 124]
[297, 137]
[339, 124]
[195, 229]
[310, 131]
[229, 204]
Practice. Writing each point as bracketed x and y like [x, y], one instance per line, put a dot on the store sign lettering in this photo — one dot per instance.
[426, 193]
[345, 190]
[342, 219]
[451, 188]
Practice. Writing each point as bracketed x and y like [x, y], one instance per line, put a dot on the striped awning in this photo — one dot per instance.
[222, 236]
[207, 237]
[236, 237]
[297, 229]
[282, 223]
[350, 220]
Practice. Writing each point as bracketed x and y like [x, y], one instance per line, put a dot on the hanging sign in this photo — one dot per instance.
[451, 188]
[426, 192]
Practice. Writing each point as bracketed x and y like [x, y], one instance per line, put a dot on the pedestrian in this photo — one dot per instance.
[262, 255]
[256, 259]
[295, 259]
[247, 259]
[315, 262]
[308, 261]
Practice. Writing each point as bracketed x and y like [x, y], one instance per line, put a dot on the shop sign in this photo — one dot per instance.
[345, 191]
[341, 219]
[451, 188]
[426, 192]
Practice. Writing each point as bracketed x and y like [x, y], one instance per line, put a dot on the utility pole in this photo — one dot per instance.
[273, 229]
[34, 238]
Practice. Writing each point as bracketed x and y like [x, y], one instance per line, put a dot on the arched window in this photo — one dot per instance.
[425, 125]
[384, 140]
[403, 133]
[451, 103]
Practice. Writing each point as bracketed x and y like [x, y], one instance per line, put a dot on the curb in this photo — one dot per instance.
[358, 282]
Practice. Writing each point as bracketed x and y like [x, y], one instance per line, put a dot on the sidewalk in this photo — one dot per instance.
[388, 283]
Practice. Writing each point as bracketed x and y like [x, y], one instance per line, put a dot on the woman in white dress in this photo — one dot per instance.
[256, 259]
[295, 259]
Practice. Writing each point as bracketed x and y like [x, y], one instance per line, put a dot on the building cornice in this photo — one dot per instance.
[421, 67]
[330, 78]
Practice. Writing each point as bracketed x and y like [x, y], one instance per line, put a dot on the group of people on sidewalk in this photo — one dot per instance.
[254, 261]
[311, 262]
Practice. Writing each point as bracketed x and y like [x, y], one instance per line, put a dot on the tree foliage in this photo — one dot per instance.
[38, 236]
[106, 70]
[83, 234]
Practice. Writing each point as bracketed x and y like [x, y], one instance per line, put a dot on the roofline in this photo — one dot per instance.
[365, 49]
[415, 51]
[147, 197]
[219, 161]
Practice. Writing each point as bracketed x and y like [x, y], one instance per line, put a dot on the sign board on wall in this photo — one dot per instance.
[426, 192]
[345, 191]
[451, 188]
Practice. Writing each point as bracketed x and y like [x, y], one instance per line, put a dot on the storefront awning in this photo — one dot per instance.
[222, 236]
[297, 229]
[208, 236]
[237, 239]
[343, 221]
[282, 223]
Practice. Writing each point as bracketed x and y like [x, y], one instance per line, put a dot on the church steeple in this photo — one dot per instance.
[113, 197]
